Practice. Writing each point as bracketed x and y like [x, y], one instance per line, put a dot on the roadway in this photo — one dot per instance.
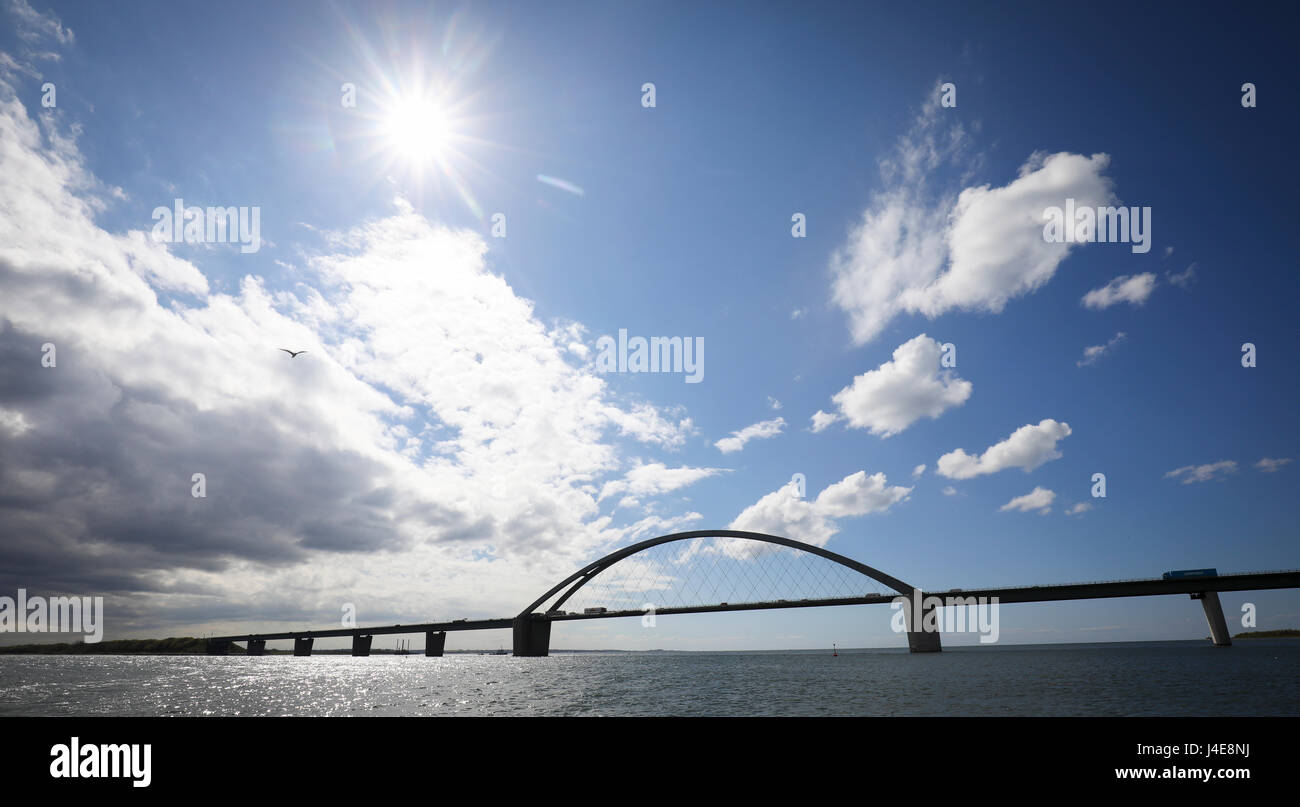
[1250, 581]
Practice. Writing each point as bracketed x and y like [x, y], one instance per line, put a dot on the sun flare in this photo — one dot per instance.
[422, 134]
[419, 130]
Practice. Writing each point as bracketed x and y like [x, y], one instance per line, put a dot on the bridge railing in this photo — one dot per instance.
[1120, 580]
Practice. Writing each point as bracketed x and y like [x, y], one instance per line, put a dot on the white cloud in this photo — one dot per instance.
[35, 27]
[1123, 289]
[774, 403]
[435, 426]
[9, 66]
[1269, 465]
[918, 470]
[1183, 280]
[1027, 447]
[1203, 473]
[1078, 508]
[901, 391]
[950, 491]
[798, 313]
[654, 478]
[757, 431]
[783, 513]
[1095, 352]
[1039, 499]
[647, 423]
[152, 260]
[858, 494]
[821, 420]
[658, 525]
[975, 251]
[14, 422]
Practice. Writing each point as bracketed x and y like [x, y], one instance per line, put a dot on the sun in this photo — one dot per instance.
[423, 134]
[419, 130]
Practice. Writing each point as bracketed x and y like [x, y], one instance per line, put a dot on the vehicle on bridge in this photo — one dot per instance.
[1181, 573]
[532, 628]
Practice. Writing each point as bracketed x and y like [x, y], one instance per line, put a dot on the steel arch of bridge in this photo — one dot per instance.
[587, 573]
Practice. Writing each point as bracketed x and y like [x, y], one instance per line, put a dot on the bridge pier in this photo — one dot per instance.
[302, 645]
[923, 630]
[434, 641]
[256, 647]
[361, 645]
[1214, 615]
[218, 647]
[532, 636]
[924, 642]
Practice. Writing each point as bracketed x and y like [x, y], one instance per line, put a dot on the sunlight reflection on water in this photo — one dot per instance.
[1156, 678]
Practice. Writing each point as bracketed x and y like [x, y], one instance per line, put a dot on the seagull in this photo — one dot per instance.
[292, 355]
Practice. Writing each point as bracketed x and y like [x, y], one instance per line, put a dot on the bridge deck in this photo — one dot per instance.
[424, 627]
[1252, 581]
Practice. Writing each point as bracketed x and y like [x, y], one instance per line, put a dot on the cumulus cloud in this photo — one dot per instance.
[1078, 508]
[757, 431]
[1269, 465]
[1133, 289]
[1039, 499]
[1027, 447]
[821, 420]
[901, 391]
[782, 512]
[649, 424]
[918, 470]
[950, 491]
[1095, 352]
[1203, 473]
[924, 252]
[435, 426]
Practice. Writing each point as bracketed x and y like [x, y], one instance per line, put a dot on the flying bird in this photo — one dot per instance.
[292, 355]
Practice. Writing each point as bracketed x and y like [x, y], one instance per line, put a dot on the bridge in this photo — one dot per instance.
[708, 571]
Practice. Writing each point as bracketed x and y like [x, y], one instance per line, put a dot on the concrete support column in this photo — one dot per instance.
[924, 642]
[1214, 615]
[256, 647]
[434, 641]
[302, 646]
[922, 627]
[218, 647]
[361, 645]
[532, 636]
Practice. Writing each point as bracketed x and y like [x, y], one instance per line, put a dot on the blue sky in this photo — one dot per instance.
[446, 448]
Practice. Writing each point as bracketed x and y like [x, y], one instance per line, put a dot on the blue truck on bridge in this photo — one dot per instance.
[1181, 573]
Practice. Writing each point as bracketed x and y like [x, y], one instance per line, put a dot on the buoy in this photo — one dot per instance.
[835, 652]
